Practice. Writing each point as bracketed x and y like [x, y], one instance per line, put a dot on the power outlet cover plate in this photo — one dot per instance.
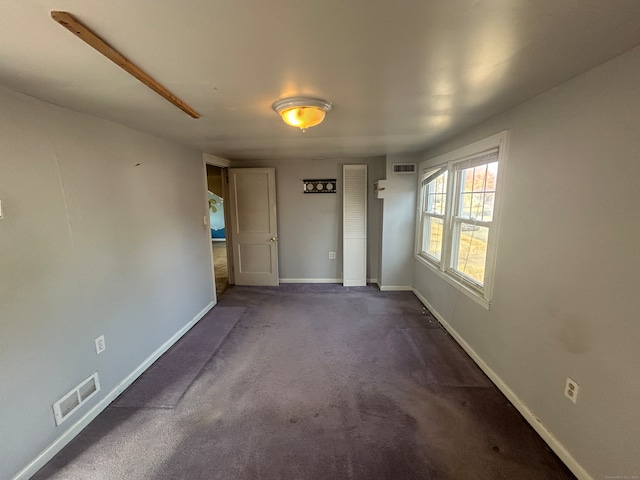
[100, 345]
[571, 390]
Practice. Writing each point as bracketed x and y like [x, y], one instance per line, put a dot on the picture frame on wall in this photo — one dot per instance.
[326, 185]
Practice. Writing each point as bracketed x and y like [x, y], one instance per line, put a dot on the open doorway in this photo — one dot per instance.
[216, 196]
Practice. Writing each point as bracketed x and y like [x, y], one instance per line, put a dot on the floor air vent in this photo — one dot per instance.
[404, 167]
[68, 404]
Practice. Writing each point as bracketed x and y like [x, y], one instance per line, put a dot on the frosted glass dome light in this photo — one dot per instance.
[302, 112]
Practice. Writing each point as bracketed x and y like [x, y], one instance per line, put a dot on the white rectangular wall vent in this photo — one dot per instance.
[354, 225]
[404, 168]
[68, 404]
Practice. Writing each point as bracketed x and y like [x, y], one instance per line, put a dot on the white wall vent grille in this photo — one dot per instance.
[68, 404]
[404, 168]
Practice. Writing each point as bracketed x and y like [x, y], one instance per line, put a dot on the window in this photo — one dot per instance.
[456, 232]
[434, 200]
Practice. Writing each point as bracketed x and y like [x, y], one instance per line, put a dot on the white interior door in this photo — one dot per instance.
[254, 239]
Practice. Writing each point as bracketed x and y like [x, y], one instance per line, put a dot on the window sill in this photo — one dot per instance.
[469, 292]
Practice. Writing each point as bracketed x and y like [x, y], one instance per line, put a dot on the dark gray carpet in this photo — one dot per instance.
[166, 381]
[321, 382]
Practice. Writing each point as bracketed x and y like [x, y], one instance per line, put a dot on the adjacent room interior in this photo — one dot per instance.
[216, 194]
[496, 238]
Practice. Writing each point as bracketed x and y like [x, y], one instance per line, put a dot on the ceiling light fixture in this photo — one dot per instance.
[302, 112]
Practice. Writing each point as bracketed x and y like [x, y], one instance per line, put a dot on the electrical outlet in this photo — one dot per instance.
[571, 390]
[332, 255]
[100, 345]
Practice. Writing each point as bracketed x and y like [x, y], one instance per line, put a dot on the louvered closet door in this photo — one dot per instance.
[354, 225]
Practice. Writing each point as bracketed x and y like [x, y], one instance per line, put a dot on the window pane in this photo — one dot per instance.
[479, 178]
[477, 191]
[432, 236]
[436, 203]
[471, 251]
[440, 183]
[476, 205]
[436, 195]
[465, 204]
[489, 199]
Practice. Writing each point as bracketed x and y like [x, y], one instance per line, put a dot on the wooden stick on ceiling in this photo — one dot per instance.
[79, 30]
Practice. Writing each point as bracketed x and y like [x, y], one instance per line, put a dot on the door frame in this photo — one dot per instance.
[223, 163]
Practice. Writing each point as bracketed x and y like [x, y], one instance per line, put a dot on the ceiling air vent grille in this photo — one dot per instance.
[68, 404]
[404, 168]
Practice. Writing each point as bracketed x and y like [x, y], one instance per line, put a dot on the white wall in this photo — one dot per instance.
[310, 225]
[398, 225]
[566, 296]
[90, 245]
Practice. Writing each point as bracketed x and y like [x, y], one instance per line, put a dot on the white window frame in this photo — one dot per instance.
[480, 293]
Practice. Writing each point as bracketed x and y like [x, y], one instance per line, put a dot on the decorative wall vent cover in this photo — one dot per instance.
[404, 168]
[68, 404]
[320, 186]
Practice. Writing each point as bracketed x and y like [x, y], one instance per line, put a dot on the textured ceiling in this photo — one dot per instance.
[402, 75]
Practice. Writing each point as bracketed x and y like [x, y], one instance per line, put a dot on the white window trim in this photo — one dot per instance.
[482, 296]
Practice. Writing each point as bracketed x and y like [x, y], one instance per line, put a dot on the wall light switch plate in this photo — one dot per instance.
[332, 255]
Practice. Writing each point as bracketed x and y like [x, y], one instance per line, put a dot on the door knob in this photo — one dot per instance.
[274, 239]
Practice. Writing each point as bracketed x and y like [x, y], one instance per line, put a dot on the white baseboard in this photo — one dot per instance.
[310, 280]
[395, 288]
[49, 452]
[322, 280]
[528, 415]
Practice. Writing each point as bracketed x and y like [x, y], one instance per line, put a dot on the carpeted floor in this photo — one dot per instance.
[320, 382]
[166, 381]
